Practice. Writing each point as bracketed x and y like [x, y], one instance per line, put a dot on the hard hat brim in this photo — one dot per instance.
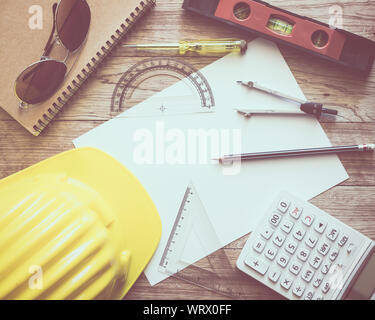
[138, 225]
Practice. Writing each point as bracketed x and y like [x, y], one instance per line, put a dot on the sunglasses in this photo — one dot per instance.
[41, 80]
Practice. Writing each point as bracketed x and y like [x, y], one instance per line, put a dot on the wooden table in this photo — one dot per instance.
[353, 201]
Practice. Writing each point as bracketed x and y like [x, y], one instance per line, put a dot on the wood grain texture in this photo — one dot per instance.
[353, 201]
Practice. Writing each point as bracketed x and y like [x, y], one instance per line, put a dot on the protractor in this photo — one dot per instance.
[151, 76]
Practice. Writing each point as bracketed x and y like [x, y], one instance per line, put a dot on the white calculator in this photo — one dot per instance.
[302, 252]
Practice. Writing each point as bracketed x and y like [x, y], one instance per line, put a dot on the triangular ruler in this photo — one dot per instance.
[192, 237]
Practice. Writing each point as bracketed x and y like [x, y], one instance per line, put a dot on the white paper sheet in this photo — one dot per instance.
[233, 202]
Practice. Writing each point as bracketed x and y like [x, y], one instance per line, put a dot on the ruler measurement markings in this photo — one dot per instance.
[176, 227]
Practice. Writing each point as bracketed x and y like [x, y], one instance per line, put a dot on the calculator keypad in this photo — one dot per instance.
[298, 249]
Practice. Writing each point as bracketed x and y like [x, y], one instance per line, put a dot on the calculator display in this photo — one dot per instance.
[364, 286]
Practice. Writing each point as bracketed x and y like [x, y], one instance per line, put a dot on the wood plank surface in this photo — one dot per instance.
[353, 201]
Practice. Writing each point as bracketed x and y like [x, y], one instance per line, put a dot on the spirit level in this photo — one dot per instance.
[284, 27]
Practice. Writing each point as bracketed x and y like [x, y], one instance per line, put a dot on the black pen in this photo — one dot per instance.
[312, 108]
[297, 152]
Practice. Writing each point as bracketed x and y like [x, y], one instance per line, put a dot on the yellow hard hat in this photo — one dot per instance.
[76, 226]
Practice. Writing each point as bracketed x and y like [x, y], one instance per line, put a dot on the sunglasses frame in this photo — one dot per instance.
[53, 38]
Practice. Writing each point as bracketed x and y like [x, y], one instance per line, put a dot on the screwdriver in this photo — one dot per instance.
[201, 47]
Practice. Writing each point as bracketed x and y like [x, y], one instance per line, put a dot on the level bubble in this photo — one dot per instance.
[319, 38]
[241, 11]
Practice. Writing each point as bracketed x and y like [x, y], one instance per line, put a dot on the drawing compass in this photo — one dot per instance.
[307, 107]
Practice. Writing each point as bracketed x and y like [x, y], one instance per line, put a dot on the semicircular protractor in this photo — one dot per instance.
[175, 86]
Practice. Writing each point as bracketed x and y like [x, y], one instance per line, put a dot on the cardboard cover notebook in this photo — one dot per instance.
[25, 27]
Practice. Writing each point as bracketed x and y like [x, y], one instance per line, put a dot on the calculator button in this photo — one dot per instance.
[259, 245]
[299, 233]
[317, 281]
[351, 247]
[323, 248]
[326, 286]
[298, 289]
[282, 260]
[334, 253]
[343, 239]
[318, 297]
[287, 226]
[326, 266]
[332, 233]
[295, 267]
[315, 261]
[295, 212]
[257, 264]
[266, 232]
[308, 219]
[309, 295]
[278, 238]
[291, 246]
[286, 281]
[275, 219]
[311, 241]
[274, 275]
[283, 205]
[303, 254]
[270, 252]
[320, 226]
[307, 274]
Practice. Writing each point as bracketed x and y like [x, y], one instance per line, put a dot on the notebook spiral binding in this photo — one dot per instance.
[85, 73]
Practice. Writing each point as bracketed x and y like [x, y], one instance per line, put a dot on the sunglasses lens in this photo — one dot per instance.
[40, 81]
[72, 22]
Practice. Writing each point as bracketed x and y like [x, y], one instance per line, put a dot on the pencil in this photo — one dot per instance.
[298, 152]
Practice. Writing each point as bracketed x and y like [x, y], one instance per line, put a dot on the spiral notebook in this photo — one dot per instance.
[25, 27]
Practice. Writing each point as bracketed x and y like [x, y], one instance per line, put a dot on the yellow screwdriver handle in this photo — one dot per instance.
[212, 46]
